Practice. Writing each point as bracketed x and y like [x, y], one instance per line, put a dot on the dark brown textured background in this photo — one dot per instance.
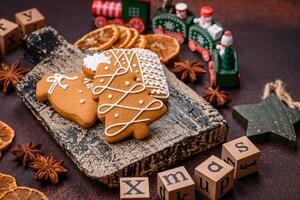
[267, 38]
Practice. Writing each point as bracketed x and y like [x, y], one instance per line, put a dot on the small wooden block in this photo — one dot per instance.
[214, 177]
[9, 36]
[242, 154]
[30, 20]
[134, 188]
[175, 184]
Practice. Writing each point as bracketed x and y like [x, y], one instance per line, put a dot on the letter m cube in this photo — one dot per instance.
[175, 184]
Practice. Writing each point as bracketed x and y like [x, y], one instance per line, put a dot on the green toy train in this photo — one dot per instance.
[205, 36]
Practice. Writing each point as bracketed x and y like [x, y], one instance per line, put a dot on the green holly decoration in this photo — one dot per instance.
[228, 59]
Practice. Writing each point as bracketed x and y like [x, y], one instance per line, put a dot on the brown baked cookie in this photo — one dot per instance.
[143, 63]
[124, 104]
[141, 42]
[70, 95]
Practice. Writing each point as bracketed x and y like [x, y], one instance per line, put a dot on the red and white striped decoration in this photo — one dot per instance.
[109, 9]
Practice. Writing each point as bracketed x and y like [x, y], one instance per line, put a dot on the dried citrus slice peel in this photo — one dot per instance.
[164, 46]
[134, 37]
[25, 193]
[99, 39]
[10, 191]
[7, 182]
[124, 37]
[6, 136]
[140, 42]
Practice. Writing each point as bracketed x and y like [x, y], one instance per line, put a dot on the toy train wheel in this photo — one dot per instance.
[179, 37]
[212, 74]
[206, 55]
[137, 23]
[101, 21]
[159, 30]
[192, 45]
[118, 21]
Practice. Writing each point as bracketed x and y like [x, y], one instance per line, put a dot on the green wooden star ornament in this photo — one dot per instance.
[269, 119]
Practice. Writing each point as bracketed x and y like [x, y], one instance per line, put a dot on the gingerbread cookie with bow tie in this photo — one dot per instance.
[70, 95]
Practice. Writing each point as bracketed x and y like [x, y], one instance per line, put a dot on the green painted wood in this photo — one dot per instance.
[269, 119]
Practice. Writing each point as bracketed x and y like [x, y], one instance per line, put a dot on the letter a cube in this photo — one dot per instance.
[175, 184]
[214, 177]
[9, 36]
[242, 154]
[134, 188]
[30, 20]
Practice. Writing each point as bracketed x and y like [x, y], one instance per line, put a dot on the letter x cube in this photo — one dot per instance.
[134, 188]
[214, 177]
[242, 154]
[175, 184]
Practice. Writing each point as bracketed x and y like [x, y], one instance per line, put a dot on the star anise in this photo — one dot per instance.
[187, 69]
[10, 76]
[47, 168]
[27, 152]
[217, 97]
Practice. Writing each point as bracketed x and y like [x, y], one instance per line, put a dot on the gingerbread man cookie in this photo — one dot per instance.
[70, 95]
[143, 63]
[124, 104]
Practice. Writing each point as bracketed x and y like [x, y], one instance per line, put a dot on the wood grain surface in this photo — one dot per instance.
[266, 34]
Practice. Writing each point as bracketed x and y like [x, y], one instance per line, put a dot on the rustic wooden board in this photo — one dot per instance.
[190, 126]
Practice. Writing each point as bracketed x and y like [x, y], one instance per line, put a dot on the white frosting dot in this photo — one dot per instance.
[116, 115]
[127, 83]
[138, 79]
[81, 101]
[106, 68]
[136, 71]
[80, 91]
[134, 65]
[152, 91]
[101, 80]
[141, 101]
[110, 96]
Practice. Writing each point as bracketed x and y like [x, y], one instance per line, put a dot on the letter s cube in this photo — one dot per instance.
[214, 177]
[243, 155]
[175, 184]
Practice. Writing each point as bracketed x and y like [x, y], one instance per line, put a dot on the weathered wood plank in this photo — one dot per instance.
[190, 126]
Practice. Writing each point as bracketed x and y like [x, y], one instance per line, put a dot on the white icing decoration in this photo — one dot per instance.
[81, 101]
[138, 79]
[101, 80]
[135, 89]
[92, 62]
[80, 91]
[88, 83]
[116, 115]
[56, 79]
[136, 71]
[127, 83]
[141, 101]
[110, 96]
[106, 68]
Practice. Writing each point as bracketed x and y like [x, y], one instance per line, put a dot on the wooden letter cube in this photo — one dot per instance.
[214, 177]
[175, 184]
[30, 20]
[9, 36]
[242, 154]
[134, 188]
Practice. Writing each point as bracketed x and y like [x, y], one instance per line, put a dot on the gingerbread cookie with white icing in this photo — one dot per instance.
[70, 95]
[143, 63]
[124, 104]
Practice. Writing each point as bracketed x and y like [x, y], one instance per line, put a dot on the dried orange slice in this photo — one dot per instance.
[7, 183]
[99, 39]
[164, 46]
[140, 42]
[6, 136]
[25, 193]
[124, 37]
[134, 36]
